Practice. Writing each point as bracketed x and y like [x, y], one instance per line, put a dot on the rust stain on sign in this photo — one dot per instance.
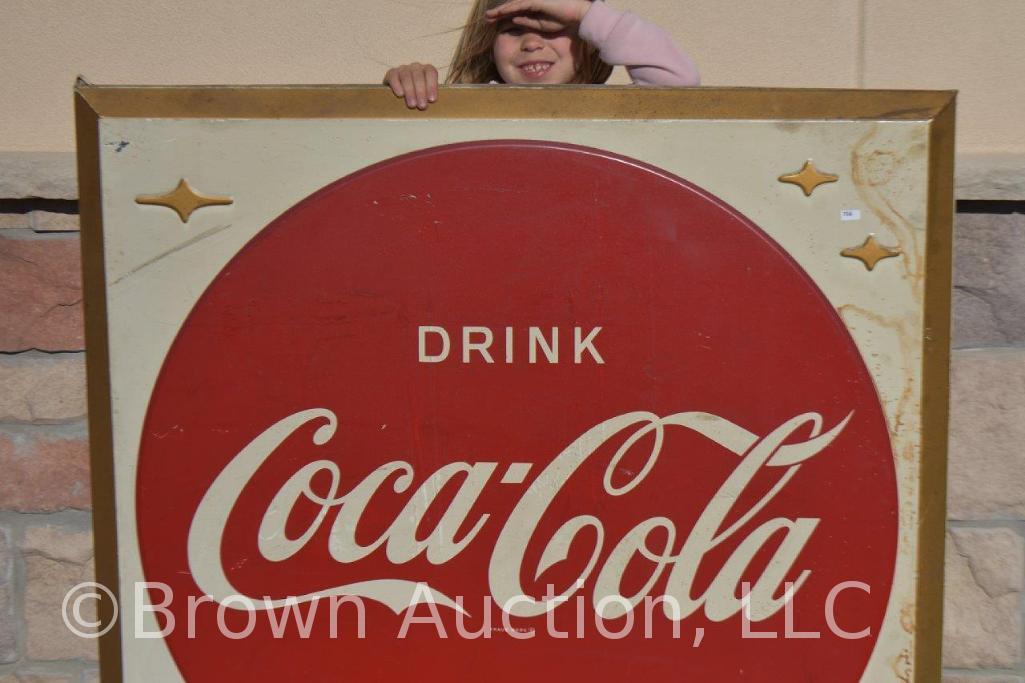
[877, 175]
[901, 328]
[902, 666]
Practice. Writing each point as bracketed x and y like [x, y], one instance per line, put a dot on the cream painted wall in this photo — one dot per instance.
[974, 46]
[970, 45]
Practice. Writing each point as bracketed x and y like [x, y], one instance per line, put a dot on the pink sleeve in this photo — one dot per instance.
[647, 52]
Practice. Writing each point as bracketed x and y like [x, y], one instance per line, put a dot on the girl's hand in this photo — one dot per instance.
[549, 16]
[416, 82]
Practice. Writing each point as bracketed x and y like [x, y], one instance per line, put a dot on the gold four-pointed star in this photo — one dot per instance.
[871, 252]
[808, 178]
[183, 200]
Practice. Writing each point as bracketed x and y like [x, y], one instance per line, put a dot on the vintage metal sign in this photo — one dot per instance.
[543, 383]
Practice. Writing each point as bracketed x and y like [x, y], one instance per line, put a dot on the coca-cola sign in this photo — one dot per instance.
[509, 410]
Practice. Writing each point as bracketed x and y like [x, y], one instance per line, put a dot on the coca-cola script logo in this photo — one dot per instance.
[541, 411]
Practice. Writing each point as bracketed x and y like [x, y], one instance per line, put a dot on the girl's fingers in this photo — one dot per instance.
[393, 81]
[539, 23]
[527, 22]
[546, 15]
[511, 7]
[564, 11]
[420, 85]
[408, 87]
[432, 83]
[416, 83]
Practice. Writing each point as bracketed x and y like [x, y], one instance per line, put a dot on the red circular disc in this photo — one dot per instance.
[700, 312]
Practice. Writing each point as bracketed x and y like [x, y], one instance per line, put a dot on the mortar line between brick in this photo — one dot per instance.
[16, 425]
[39, 354]
[29, 235]
[979, 672]
[68, 520]
[18, 584]
[26, 204]
[11, 668]
[1009, 346]
[72, 669]
[78, 421]
[1013, 524]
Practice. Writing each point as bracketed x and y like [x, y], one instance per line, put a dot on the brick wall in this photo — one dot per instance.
[45, 525]
[45, 543]
[986, 501]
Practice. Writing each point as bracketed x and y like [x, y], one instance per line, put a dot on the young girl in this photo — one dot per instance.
[549, 41]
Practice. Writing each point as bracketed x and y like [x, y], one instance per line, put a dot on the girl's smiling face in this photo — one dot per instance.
[524, 56]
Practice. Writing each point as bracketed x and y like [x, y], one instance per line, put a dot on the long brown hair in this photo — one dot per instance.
[473, 61]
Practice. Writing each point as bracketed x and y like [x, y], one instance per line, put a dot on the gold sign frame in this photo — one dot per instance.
[93, 104]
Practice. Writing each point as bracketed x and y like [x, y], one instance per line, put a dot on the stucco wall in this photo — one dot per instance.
[972, 46]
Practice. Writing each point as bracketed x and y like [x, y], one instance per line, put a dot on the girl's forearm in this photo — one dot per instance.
[647, 52]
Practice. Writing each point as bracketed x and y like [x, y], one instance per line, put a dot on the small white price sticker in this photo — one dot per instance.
[850, 215]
